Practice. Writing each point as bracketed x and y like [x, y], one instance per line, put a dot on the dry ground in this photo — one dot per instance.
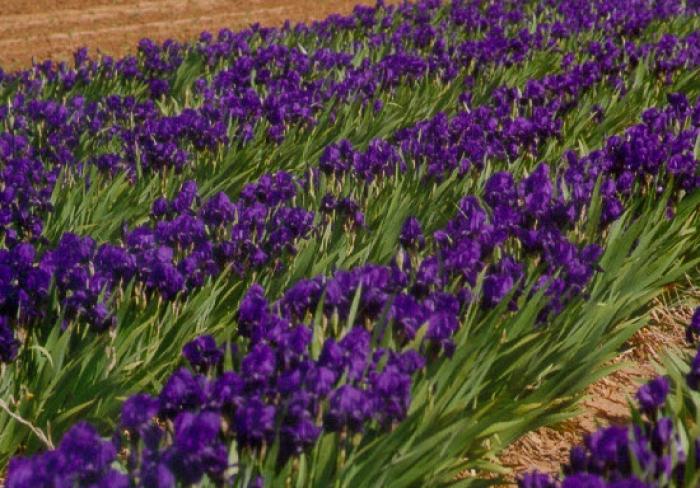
[43, 29]
[607, 401]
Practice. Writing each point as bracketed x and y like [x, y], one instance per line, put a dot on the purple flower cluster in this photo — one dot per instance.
[346, 208]
[182, 248]
[692, 332]
[81, 459]
[184, 244]
[289, 388]
[126, 133]
[693, 376]
[514, 122]
[538, 211]
[285, 383]
[278, 393]
[289, 88]
[621, 160]
[426, 26]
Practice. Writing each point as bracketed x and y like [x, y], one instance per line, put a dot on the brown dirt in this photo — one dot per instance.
[606, 402]
[53, 29]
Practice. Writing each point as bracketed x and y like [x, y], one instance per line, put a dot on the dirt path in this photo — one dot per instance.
[43, 29]
[606, 400]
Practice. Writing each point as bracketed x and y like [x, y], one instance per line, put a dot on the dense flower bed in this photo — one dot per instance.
[513, 124]
[287, 378]
[331, 361]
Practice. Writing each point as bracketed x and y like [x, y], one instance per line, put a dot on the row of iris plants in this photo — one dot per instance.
[386, 244]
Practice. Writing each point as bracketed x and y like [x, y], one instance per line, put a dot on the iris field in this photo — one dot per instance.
[370, 251]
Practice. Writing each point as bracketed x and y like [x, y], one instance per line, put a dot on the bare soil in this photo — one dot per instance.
[606, 401]
[54, 29]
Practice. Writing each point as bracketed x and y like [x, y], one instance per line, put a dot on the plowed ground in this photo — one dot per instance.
[43, 29]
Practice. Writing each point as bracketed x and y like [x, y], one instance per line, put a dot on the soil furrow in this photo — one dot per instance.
[46, 29]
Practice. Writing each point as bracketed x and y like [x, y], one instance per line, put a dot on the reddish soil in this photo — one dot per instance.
[53, 29]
